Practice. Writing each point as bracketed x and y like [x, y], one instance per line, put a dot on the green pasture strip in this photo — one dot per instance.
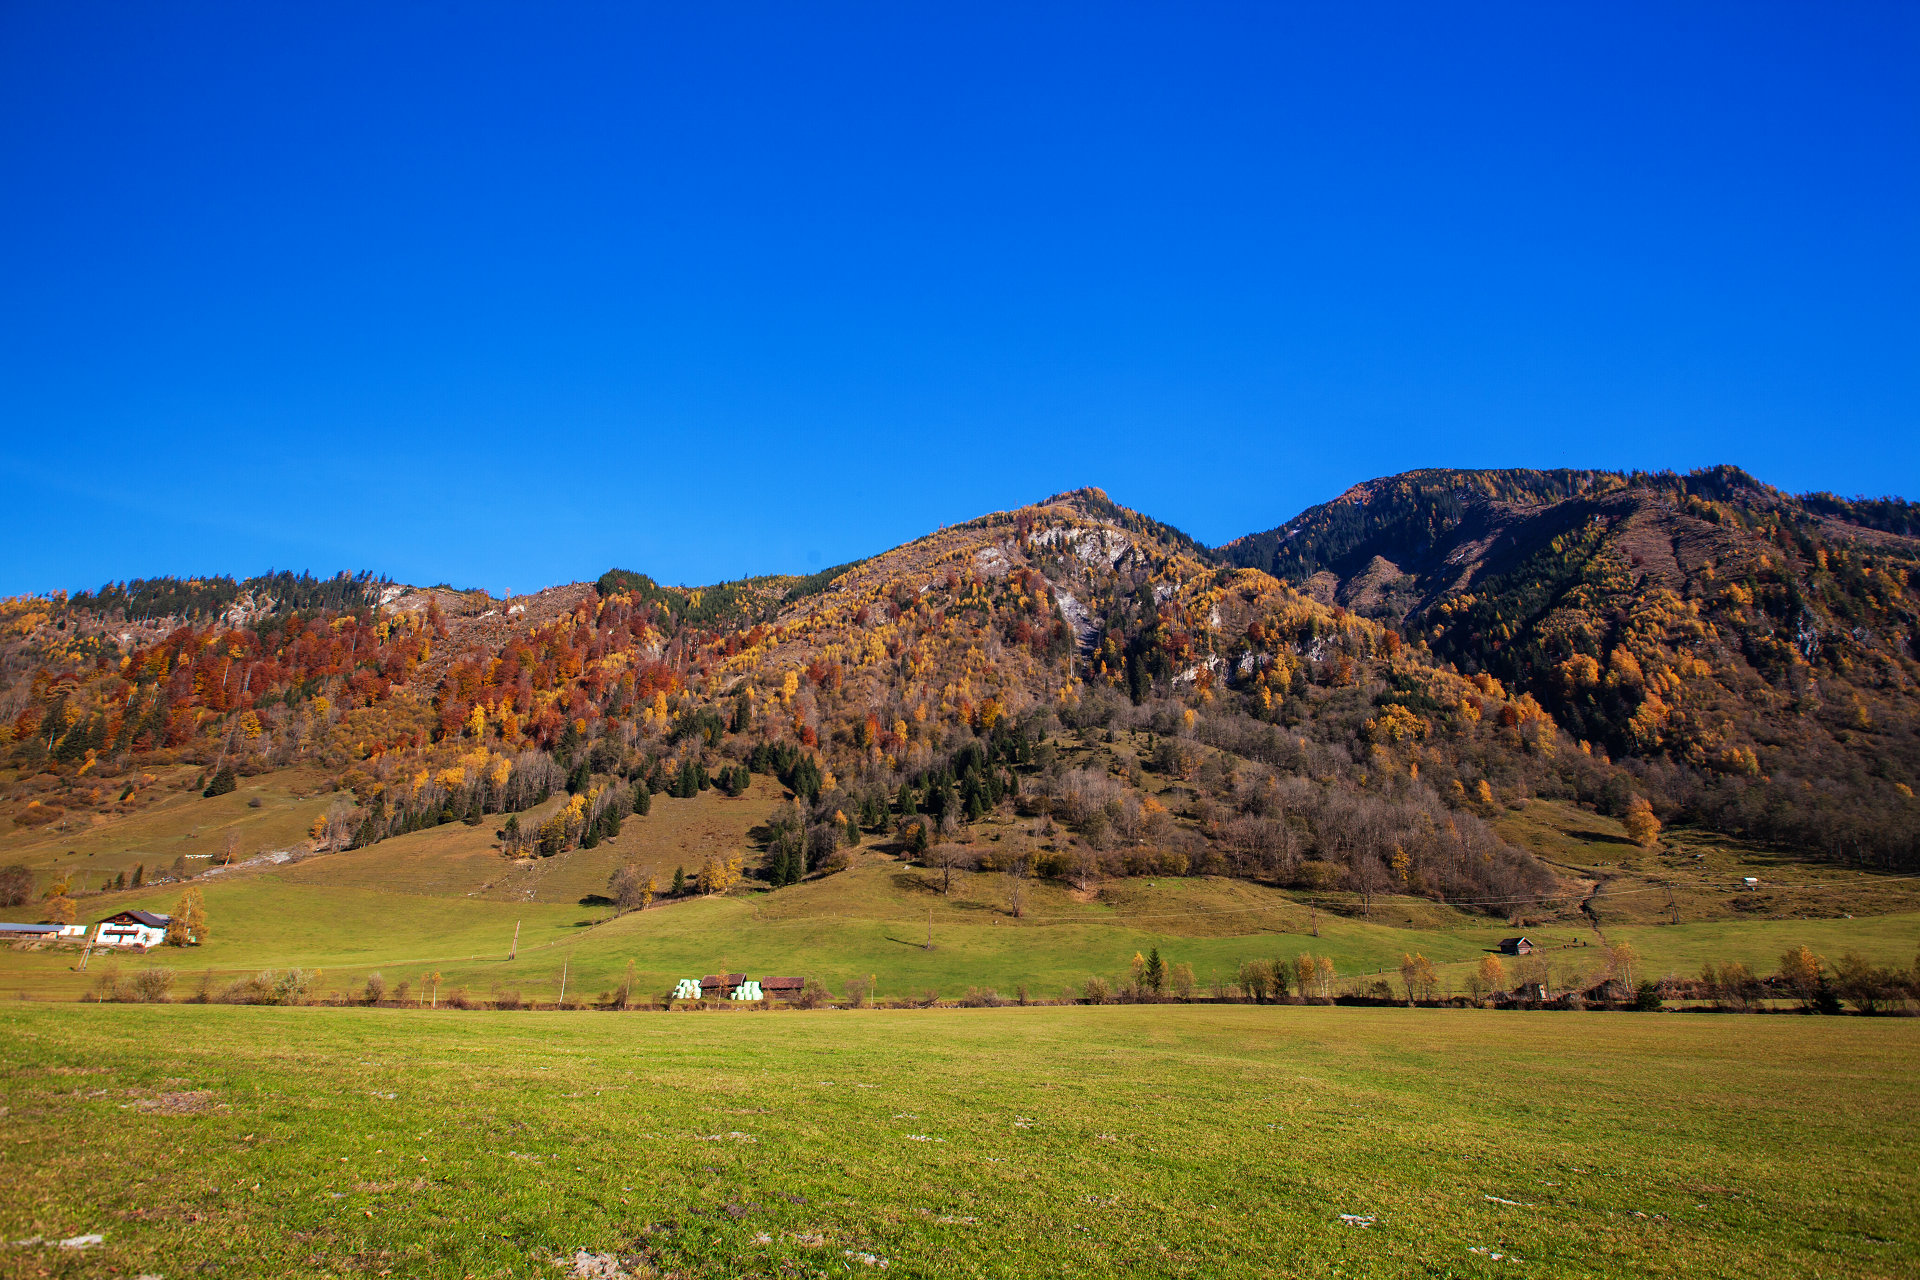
[261, 922]
[875, 921]
[1149, 1141]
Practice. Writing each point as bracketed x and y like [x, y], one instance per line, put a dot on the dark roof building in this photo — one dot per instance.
[782, 986]
[721, 982]
[1520, 946]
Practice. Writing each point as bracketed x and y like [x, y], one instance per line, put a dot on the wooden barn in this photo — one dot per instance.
[782, 988]
[718, 986]
[1521, 946]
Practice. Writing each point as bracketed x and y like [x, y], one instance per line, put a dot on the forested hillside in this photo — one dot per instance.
[1286, 710]
[1748, 654]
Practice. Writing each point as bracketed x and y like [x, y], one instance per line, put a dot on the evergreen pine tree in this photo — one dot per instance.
[679, 882]
[569, 744]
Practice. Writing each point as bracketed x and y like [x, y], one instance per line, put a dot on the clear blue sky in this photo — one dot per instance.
[507, 295]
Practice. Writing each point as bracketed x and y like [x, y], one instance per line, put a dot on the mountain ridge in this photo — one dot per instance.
[1700, 648]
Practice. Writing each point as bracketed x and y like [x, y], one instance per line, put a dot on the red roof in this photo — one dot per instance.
[722, 980]
[782, 984]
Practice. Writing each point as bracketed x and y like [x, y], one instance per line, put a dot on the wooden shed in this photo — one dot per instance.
[719, 985]
[782, 988]
[1521, 946]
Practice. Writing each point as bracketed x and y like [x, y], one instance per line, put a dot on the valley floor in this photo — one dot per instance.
[1061, 1141]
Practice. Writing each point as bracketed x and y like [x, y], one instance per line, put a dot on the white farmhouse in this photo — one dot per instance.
[131, 929]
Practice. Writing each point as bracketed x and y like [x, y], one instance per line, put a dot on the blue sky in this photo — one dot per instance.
[507, 295]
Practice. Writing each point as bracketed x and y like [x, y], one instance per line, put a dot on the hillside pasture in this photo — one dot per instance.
[877, 920]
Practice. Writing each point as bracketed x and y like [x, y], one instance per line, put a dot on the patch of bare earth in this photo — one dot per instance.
[184, 1102]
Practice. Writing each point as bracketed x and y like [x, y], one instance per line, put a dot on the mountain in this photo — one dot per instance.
[1339, 705]
[1749, 653]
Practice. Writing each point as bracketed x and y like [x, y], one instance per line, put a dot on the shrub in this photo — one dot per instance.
[1867, 987]
[107, 985]
[1646, 998]
[812, 995]
[982, 998]
[858, 989]
[152, 986]
[376, 988]
[16, 886]
[1096, 990]
[269, 986]
[507, 1000]
[458, 999]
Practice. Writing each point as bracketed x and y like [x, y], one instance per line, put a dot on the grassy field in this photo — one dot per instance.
[875, 921]
[446, 900]
[171, 819]
[1693, 876]
[1141, 1140]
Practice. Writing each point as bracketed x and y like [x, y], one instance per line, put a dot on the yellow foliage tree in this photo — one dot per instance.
[1490, 978]
[1642, 827]
[188, 924]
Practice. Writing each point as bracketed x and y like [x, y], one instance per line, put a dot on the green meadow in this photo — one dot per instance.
[445, 901]
[1177, 1140]
[885, 921]
[1060, 1141]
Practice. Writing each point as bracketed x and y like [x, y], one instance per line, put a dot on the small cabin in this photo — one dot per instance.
[1521, 946]
[782, 988]
[140, 929]
[718, 986]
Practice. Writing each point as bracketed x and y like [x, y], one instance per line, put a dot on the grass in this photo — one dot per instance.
[173, 819]
[456, 859]
[1695, 876]
[444, 899]
[874, 920]
[1143, 1140]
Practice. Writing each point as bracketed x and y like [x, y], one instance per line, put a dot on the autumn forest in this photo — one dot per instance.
[1339, 703]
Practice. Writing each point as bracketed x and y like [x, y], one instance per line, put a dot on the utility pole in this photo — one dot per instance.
[514, 950]
[929, 945]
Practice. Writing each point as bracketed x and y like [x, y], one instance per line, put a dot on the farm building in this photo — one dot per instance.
[717, 986]
[782, 988]
[1521, 946]
[40, 932]
[133, 929]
